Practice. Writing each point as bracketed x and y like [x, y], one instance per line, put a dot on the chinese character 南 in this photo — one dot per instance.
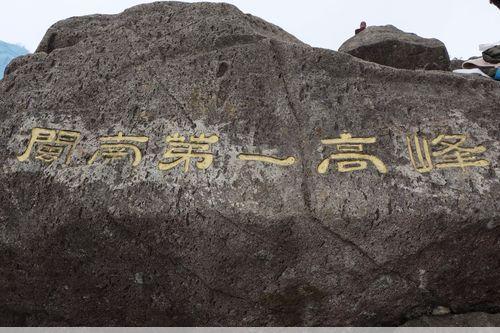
[287, 161]
[119, 147]
[182, 152]
[350, 156]
[449, 152]
[51, 144]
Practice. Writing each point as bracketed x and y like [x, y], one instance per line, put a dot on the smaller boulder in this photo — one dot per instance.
[456, 64]
[389, 46]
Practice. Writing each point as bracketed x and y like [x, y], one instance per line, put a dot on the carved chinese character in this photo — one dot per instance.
[51, 144]
[182, 152]
[453, 155]
[119, 147]
[420, 158]
[287, 161]
[448, 152]
[350, 156]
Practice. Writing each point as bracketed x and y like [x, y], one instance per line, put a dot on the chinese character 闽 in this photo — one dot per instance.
[51, 144]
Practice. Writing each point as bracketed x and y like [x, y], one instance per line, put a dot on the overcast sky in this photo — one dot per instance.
[461, 24]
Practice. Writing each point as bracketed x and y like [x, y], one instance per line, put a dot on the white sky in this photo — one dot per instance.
[461, 24]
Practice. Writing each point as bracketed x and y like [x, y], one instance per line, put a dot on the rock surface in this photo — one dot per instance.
[456, 64]
[237, 242]
[474, 319]
[389, 46]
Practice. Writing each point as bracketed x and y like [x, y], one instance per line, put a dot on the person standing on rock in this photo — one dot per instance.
[362, 27]
[496, 3]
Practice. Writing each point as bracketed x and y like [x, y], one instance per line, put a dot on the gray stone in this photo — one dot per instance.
[456, 64]
[389, 46]
[441, 311]
[240, 242]
[474, 319]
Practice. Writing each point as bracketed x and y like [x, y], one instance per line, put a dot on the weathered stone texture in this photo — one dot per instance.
[240, 243]
[474, 319]
[456, 64]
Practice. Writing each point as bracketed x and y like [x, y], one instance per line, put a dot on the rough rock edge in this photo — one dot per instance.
[53, 40]
[392, 30]
[468, 319]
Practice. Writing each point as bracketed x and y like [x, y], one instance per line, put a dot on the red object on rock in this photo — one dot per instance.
[362, 26]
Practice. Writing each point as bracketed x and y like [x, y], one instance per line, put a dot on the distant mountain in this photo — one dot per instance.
[9, 52]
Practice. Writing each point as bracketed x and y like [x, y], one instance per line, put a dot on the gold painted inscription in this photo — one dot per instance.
[182, 152]
[350, 156]
[119, 147]
[50, 144]
[287, 161]
[449, 152]
[446, 151]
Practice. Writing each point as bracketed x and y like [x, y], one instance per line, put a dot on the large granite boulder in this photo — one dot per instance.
[186, 164]
[389, 46]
